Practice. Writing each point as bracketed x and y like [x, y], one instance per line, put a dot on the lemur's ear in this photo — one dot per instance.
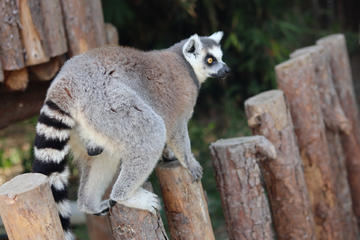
[192, 47]
[217, 36]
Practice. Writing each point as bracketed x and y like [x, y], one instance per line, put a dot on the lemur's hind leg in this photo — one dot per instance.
[96, 175]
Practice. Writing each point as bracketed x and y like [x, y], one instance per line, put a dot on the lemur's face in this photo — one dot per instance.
[204, 55]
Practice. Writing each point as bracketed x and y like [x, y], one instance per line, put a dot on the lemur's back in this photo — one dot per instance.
[160, 78]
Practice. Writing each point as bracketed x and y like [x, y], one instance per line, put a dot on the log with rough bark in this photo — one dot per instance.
[184, 202]
[112, 35]
[28, 209]
[18, 106]
[1, 72]
[46, 71]
[54, 27]
[79, 26]
[335, 45]
[16, 80]
[32, 32]
[11, 50]
[98, 21]
[129, 223]
[296, 77]
[335, 121]
[269, 115]
[238, 179]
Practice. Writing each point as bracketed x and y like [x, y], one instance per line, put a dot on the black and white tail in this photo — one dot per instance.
[51, 147]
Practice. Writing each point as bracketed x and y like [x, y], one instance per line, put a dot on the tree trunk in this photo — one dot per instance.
[54, 27]
[16, 80]
[245, 206]
[269, 115]
[28, 209]
[185, 204]
[296, 77]
[335, 121]
[130, 223]
[11, 49]
[32, 32]
[79, 26]
[335, 45]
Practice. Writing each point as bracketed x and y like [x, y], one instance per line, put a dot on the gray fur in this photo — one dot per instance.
[127, 104]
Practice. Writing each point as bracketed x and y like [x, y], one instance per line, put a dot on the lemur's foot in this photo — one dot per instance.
[142, 199]
[105, 206]
[196, 171]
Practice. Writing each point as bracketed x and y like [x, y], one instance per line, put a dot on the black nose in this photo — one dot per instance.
[227, 69]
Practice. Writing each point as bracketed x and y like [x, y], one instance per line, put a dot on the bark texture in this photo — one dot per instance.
[112, 35]
[129, 223]
[335, 121]
[18, 106]
[54, 27]
[269, 115]
[46, 71]
[296, 77]
[245, 206]
[335, 45]
[184, 202]
[11, 50]
[16, 80]
[32, 32]
[28, 209]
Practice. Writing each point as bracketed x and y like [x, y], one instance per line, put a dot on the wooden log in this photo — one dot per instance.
[112, 35]
[269, 115]
[79, 27]
[1, 72]
[296, 77]
[54, 27]
[335, 45]
[130, 223]
[184, 202]
[98, 21]
[11, 50]
[18, 106]
[238, 179]
[335, 121]
[46, 71]
[16, 80]
[32, 32]
[28, 209]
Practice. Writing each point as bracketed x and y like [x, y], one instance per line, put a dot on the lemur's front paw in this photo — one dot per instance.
[142, 199]
[196, 171]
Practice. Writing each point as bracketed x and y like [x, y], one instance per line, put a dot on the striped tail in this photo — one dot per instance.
[51, 147]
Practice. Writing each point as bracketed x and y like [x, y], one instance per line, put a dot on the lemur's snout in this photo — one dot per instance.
[224, 71]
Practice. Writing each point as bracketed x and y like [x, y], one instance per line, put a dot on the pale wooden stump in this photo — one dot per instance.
[245, 206]
[184, 202]
[28, 209]
[269, 115]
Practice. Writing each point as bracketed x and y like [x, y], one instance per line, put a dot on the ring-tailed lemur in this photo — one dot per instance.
[115, 103]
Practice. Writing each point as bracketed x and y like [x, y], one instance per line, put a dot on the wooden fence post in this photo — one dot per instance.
[296, 77]
[245, 206]
[335, 122]
[129, 223]
[28, 209]
[335, 45]
[185, 204]
[269, 115]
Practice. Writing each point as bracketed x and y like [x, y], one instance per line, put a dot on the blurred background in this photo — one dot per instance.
[258, 34]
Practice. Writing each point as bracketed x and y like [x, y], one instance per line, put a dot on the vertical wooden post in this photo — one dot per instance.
[269, 115]
[335, 45]
[32, 32]
[245, 206]
[296, 77]
[129, 223]
[54, 27]
[112, 35]
[11, 50]
[335, 121]
[1, 71]
[28, 209]
[16, 80]
[185, 204]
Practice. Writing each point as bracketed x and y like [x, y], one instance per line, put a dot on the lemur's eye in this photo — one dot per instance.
[210, 60]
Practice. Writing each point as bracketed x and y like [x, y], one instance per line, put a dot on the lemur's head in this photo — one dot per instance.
[204, 55]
